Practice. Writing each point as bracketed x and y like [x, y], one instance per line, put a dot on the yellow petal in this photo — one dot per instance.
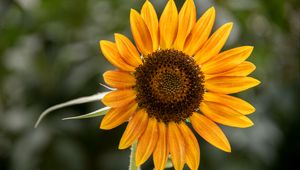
[227, 60]
[119, 98]
[116, 116]
[200, 32]
[186, 21]
[214, 44]
[210, 131]
[147, 142]
[168, 25]
[111, 53]
[176, 146]
[192, 147]
[235, 103]
[134, 129]
[148, 13]
[160, 154]
[140, 33]
[224, 115]
[243, 69]
[119, 79]
[228, 85]
[128, 51]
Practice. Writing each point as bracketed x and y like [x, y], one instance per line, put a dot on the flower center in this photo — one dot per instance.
[169, 85]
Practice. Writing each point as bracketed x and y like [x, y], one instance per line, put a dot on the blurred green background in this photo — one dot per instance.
[49, 54]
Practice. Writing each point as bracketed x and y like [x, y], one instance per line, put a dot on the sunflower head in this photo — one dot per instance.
[175, 72]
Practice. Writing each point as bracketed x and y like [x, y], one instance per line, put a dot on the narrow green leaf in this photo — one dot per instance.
[96, 113]
[80, 100]
[107, 87]
[132, 165]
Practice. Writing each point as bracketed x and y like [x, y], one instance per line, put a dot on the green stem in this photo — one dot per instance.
[132, 165]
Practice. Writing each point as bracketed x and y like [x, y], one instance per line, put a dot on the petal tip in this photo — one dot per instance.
[251, 110]
[249, 48]
[122, 146]
[104, 75]
[258, 82]
[212, 9]
[190, 1]
[255, 82]
[247, 124]
[228, 149]
[251, 123]
[253, 66]
[104, 100]
[103, 126]
[133, 12]
[117, 35]
[102, 43]
[138, 162]
[147, 2]
[229, 25]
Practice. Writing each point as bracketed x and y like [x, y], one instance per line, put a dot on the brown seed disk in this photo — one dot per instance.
[169, 85]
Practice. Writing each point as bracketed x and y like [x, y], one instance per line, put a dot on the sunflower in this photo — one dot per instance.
[176, 76]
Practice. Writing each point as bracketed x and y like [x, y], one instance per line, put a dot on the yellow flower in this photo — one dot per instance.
[176, 75]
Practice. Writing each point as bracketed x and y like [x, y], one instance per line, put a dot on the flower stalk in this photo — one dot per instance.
[132, 165]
